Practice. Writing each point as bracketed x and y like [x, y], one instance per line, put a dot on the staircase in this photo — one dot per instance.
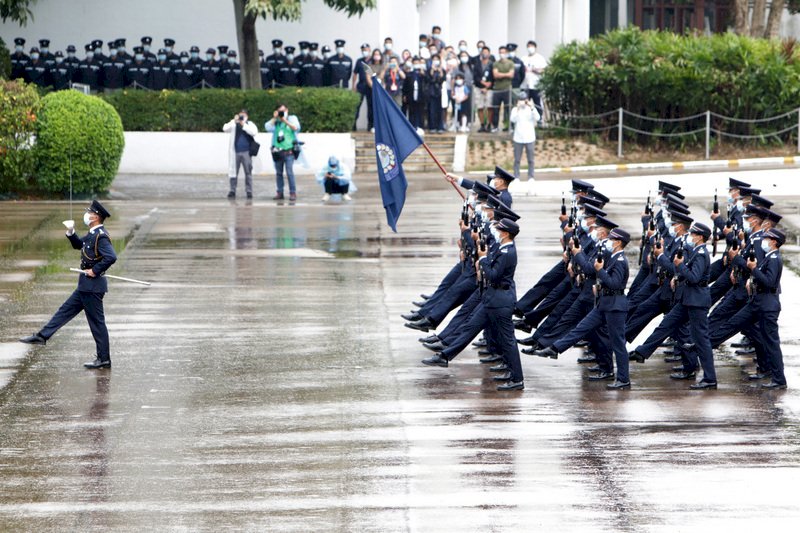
[441, 144]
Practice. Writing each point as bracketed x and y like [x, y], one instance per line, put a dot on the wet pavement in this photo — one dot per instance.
[265, 381]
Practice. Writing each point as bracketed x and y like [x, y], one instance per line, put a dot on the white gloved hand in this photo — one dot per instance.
[70, 225]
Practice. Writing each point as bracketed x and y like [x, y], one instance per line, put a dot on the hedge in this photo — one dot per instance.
[665, 75]
[5, 61]
[19, 106]
[319, 109]
[78, 132]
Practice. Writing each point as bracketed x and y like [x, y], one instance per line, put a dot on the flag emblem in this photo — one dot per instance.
[388, 160]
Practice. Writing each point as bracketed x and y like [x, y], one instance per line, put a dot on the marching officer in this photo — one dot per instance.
[97, 255]
[288, 74]
[311, 71]
[19, 59]
[275, 61]
[340, 66]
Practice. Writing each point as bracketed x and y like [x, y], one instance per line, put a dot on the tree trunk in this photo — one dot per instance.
[774, 20]
[759, 15]
[740, 24]
[248, 46]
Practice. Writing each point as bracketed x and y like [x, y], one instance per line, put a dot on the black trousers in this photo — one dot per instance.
[331, 187]
[91, 303]
[368, 97]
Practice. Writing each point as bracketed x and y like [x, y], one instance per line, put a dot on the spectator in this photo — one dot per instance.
[436, 37]
[503, 73]
[242, 135]
[424, 51]
[406, 61]
[535, 63]
[393, 78]
[483, 81]
[461, 101]
[336, 178]
[388, 52]
[437, 97]
[284, 128]
[524, 117]
[415, 92]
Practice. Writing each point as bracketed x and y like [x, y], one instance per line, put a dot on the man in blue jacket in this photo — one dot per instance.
[97, 255]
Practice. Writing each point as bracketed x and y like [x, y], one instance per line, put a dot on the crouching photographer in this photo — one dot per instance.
[336, 178]
[285, 147]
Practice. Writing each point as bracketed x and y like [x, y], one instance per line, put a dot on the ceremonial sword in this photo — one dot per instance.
[114, 277]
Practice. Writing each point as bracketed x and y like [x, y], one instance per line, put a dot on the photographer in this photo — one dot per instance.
[242, 141]
[524, 117]
[335, 178]
[285, 148]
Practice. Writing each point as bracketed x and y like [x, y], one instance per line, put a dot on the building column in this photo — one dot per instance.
[398, 19]
[494, 23]
[464, 23]
[549, 27]
[521, 22]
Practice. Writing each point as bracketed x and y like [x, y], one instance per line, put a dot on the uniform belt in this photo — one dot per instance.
[612, 292]
[501, 286]
[761, 290]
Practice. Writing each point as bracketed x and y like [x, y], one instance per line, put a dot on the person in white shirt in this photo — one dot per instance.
[524, 117]
[535, 63]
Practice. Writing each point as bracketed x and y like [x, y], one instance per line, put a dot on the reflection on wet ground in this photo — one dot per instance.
[265, 382]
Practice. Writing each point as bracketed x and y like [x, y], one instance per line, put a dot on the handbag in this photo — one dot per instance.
[254, 146]
[296, 148]
[277, 154]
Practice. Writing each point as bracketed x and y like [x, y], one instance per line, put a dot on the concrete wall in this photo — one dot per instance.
[207, 153]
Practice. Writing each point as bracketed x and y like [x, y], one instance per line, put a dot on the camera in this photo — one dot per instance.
[280, 114]
[281, 137]
[241, 117]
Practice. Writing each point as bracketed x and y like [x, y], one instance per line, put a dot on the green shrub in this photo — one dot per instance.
[78, 131]
[19, 106]
[663, 75]
[319, 109]
[5, 61]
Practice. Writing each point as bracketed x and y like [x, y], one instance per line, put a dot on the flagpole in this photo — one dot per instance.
[444, 171]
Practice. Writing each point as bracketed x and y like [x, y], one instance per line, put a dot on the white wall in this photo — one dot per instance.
[549, 26]
[494, 23]
[207, 153]
[464, 23]
[521, 23]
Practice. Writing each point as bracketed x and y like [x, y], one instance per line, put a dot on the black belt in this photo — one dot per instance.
[760, 290]
[501, 286]
[612, 292]
[701, 284]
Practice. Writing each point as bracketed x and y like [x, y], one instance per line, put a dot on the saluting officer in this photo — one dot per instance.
[97, 255]
[19, 59]
[289, 72]
[161, 72]
[311, 69]
[275, 61]
[209, 70]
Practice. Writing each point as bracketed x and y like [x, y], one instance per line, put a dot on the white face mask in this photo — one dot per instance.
[672, 231]
[289, 57]
[690, 244]
[365, 53]
[436, 63]
[459, 82]
[339, 50]
[87, 219]
[667, 219]
[740, 204]
[746, 226]
[608, 246]
[765, 246]
[495, 234]
[503, 56]
[512, 54]
[531, 50]
[462, 48]
[594, 236]
[387, 46]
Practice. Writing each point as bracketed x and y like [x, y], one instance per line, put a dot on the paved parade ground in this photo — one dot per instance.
[265, 381]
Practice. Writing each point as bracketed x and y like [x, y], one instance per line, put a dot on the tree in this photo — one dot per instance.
[18, 11]
[247, 12]
[756, 26]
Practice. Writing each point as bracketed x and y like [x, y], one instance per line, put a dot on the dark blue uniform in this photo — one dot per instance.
[161, 76]
[138, 73]
[311, 72]
[97, 253]
[339, 69]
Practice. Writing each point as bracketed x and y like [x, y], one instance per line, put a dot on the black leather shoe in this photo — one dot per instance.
[249, 196]
[98, 363]
[669, 343]
[678, 368]
[434, 346]
[231, 194]
[34, 339]
[521, 325]
[436, 359]
[703, 385]
[636, 356]
[518, 313]
[511, 385]
[744, 343]
[546, 352]
[503, 377]
[418, 304]
[773, 385]
[491, 359]
[683, 374]
[422, 325]
[669, 352]
[485, 351]
[595, 368]
[429, 338]
[746, 351]
[528, 341]
[502, 367]
[602, 376]
[413, 316]
[619, 385]
[756, 376]
[587, 359]
[673, 358]
[582, 344]
[480, 343]
[425, 296]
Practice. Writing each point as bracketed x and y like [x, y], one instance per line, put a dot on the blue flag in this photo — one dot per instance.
[395, 139]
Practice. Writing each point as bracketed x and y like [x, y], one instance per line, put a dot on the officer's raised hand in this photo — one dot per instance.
[575, 248]
[677, 260]
[659, 247]
[70, 225]
[598, 265]
[482, 252]
[752, 263]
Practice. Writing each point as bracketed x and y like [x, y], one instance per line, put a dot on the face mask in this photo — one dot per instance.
[731, 201]
[184, 60]
[209, 57]
[485, 56]
[594, 236]
[71, 55]
[313, 53]
[139, 57]
[87, 219]
[608, 246]
[672, 231]
[392, 65]
[146, 48]
[59, 60]
[436, 63]
[765, 246]
[503, 56]
[195, 55]
[89, 55]
[459, 82]
[512, 54]
[19, 48]
[162, 57]
[34, 56]
[289, 57]
[464, 60]
[326, 55]
[584, 225]
[419, 66]
[740, 204]
[387, 46]
[746, 226]
[495, 234]
[690, 244]
[45, 50]
[231, 60]
[365, 53]
[340, 50]
[531, 50]
[168, 49]
[462, 48]
[113, 53]
[667, 219]
[423, 44]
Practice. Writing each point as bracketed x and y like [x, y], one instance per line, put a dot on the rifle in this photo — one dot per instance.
[648, 210]
[597, 285]
[716, 230]
[563, 204]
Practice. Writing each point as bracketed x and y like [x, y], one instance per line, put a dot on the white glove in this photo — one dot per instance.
[70, 225]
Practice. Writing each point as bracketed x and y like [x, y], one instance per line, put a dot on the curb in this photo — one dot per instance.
[674, 165]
